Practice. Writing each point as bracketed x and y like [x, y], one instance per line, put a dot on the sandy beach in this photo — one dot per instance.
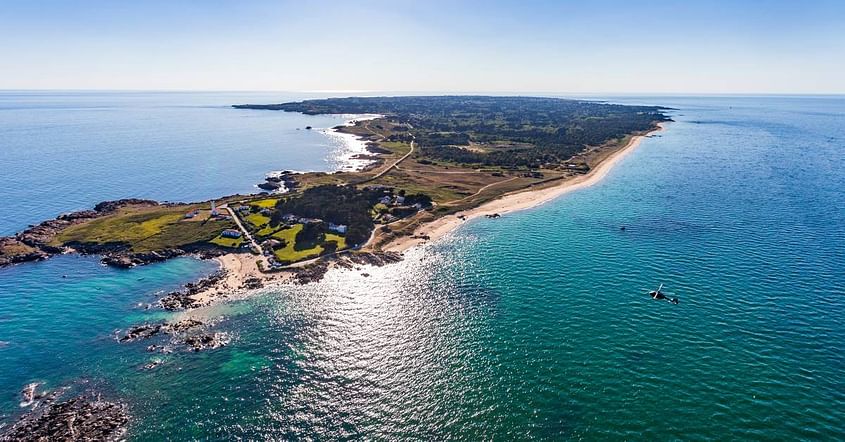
[520, 200]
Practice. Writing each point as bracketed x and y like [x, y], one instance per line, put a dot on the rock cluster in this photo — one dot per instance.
[206, 341]
[185, 334]
[127, 260]
[146, 331]
[182, 299]
[85, 417]
[316, 271]
[32, 254]
[253, 283]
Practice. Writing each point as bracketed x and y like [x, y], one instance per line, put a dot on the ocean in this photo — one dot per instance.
[66, 151]
[535, 325]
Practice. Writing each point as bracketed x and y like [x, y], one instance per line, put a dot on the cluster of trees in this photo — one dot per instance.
[555, 129]
[336, 204]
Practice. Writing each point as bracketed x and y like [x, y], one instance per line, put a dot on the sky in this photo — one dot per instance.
[622, 47]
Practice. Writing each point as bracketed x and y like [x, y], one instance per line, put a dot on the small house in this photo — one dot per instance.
[231, 233]
[338, 228]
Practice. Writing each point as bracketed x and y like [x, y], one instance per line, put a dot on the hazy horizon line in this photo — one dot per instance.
[438, 92]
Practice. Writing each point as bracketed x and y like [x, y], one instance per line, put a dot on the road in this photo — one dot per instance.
[389, 168]
[243, 229]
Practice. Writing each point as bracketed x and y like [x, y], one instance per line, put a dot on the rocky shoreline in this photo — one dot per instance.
[85, 416]
[33, 243]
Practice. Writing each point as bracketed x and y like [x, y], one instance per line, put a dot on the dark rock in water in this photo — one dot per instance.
[182, 325]
[206, 342]
[82, 418]
[29, 394]
[308, 127]
[139, 332]
[152, 364]
[270, 185]
[118, 261]
[146, 331]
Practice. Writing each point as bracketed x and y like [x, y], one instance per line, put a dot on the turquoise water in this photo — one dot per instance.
[531, 326]
[64, 151]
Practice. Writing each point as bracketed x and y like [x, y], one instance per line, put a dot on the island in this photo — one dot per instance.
[436, 161]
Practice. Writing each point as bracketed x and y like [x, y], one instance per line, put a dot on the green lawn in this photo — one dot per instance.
[227, 242]
[289, 252]
[257, 220]
[341, 241]
[266, 231]
[145, 229]
[268, 203]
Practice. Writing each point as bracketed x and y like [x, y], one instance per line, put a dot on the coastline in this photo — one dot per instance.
[354, 147]
[519, 200]
[241, 267]
[239, 273]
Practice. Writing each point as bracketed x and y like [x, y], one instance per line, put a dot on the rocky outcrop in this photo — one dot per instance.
[285, 179]
[183, 299]
[13, 251]
[146, 331]
[185, 332]
[106, 207]
[270, 185]
[85, 417]
[127, 260]
[206, 341]
[34, 243]
[253, 283]
[377, 259]
[315, 272]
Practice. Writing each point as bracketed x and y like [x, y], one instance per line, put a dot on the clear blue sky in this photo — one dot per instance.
[484, 46]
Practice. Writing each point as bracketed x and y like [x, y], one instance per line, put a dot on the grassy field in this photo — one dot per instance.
[227, 242]
[257, 220]
[341, 241]
[268, 203]
[289, 252]
[293, 252]
[145, 229]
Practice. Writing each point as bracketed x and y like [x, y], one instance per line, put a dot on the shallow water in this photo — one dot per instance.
[532, 326]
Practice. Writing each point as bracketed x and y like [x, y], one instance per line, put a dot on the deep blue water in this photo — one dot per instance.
[64, 151]
[532, 326]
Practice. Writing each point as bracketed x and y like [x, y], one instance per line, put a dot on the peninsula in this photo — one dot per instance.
[435, 162]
